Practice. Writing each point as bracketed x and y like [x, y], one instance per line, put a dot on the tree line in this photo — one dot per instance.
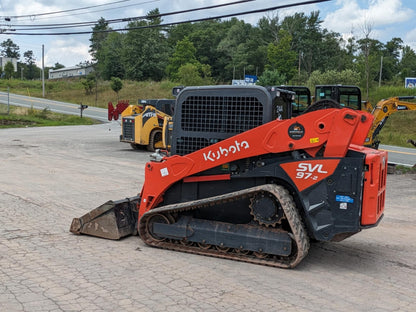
[295, 49]
[292, 50]
[26, 69]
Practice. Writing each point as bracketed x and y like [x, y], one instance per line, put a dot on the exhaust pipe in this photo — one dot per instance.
[112, 220]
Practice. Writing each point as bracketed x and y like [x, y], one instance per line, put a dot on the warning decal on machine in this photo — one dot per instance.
[344, 199]
[164, 172]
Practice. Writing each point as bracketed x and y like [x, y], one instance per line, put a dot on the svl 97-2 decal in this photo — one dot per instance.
[306, 173]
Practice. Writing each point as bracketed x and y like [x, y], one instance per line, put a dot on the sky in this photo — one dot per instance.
[385, 18]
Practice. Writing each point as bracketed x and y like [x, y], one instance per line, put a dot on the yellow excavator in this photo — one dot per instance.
[383, 110]
[338, 96]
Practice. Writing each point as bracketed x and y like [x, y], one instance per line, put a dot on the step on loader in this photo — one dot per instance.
[246, 181]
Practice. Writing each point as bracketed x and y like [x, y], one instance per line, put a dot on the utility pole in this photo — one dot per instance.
[381, 71]
[8, 100]
[43, 70]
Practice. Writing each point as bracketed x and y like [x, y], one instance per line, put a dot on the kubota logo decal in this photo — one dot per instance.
[309, 172]
[225, 151]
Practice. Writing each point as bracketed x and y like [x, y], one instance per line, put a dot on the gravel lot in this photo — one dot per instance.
[50, 175]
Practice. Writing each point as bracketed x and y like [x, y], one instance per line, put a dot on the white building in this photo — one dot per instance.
[4, 60]
[67, 72]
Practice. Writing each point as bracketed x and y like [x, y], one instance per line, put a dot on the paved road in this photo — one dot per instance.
[54, 106]
[50, 175]
[400, 155]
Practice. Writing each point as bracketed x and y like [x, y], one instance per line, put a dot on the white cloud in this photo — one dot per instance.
[25, 8]
[378, 14]
[410, 38]
[68, 52]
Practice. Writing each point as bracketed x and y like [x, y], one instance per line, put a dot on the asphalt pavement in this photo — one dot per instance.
[50, 175]
[400, 155]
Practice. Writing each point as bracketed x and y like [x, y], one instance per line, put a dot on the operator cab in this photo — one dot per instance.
[346, 96]
[302, 98]
[282, 102]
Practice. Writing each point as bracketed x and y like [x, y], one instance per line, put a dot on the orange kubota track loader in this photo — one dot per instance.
[243, 185]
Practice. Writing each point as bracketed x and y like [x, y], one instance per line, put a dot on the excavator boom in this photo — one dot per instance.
[381, 113]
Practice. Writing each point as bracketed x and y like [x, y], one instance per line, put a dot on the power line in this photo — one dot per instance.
[172, 23]
[126, 19]
[94, 11]
[64, 11]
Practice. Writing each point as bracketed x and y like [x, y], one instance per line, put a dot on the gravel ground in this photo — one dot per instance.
[50, 175]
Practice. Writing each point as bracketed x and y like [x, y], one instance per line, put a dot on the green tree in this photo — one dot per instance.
[350, 49]
[280, 57]
[235, 51]
[345, 77]
[188, 75]
[194, 75]
[394, 47]
[205, 37]
[408, 63]
[8, 70]
[253, 54]
[271, 78]
[368, 62]
[391, 59]
[333, 56]
[21, 70]
[97, 38]
[145, 52]
[269, 28]
[307, 39]
[10, 49]
[31, 66]
[116, 85]
[111, 63]
[88, 83]
[184, 54]
[58, 66]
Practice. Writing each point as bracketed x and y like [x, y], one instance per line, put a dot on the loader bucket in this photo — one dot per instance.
[112, 220]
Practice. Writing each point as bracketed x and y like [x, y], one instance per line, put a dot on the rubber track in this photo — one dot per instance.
[299, 236]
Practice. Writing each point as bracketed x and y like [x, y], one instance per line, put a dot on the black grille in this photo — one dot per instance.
[221, 114]
[186, 145]
[207, 115]
[128, 129]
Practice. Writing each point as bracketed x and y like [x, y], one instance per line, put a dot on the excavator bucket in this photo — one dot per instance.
[112, 220]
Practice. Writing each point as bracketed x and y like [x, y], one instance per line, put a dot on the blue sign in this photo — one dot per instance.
[410, 83]
[250, 78]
